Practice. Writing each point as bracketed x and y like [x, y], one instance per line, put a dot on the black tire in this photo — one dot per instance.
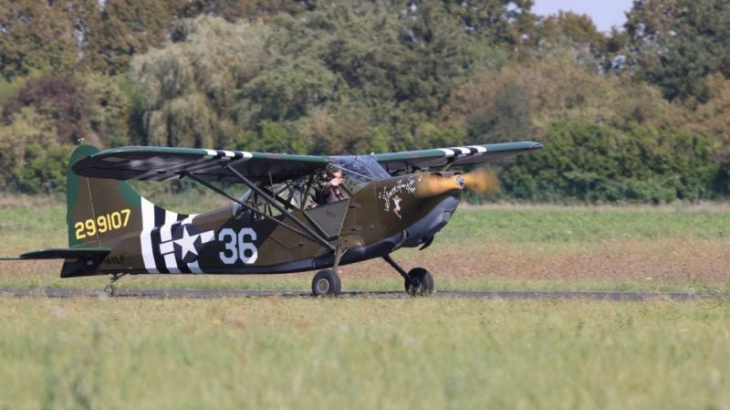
[110, 290]
[326, 283]
[420, 283]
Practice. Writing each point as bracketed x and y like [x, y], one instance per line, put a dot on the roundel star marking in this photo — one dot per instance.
[188, 241]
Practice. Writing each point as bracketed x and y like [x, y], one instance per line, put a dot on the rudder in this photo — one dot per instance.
[99, 210]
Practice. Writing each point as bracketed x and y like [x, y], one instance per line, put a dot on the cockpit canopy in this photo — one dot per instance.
[359, 170]
[304, 192]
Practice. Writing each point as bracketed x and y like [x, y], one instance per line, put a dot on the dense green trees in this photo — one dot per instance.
[35, 36]
[677, 43]
[638, 115]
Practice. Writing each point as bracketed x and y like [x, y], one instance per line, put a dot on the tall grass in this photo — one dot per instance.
[362, 353]
[92, 353]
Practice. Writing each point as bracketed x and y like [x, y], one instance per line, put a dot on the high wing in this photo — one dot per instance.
[467, 155]
[162, 163]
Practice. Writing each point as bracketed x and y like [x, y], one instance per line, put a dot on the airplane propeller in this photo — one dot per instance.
[482, 180]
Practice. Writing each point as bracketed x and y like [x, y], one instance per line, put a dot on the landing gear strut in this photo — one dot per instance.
[111, 289]
[418, 281]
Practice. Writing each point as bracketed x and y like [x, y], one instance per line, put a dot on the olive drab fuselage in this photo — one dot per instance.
[373, 221]
[283, 223]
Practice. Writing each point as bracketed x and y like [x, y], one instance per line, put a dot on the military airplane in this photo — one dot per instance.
[284, 223]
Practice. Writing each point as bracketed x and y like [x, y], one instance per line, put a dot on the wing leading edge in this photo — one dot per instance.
[163, 163]
[466, 155]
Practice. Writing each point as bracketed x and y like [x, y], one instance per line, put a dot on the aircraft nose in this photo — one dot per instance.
[481, 180]
[424, 230]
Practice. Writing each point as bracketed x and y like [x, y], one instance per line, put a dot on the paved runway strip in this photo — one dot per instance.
[209, 294]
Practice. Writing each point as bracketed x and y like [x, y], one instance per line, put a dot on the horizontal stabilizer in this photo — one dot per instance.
[77, 261]
[92, 254]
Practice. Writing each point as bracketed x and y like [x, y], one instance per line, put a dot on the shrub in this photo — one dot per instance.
[592, 163]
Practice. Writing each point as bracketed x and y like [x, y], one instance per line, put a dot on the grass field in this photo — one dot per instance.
[495, 248]
[363, 353]
[369, 353]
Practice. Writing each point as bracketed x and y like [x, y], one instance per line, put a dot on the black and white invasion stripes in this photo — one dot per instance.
[459, 152]
[163, 233]
[218, 154]
[160, 169]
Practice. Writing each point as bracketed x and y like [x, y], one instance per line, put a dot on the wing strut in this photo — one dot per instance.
[308, 232]
[313, 235]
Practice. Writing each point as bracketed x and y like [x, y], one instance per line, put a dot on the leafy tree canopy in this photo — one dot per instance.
[634, 115]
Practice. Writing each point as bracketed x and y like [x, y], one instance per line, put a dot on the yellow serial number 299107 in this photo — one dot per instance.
[102, 224]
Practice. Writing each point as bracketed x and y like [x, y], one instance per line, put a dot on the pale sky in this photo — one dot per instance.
[605, 13]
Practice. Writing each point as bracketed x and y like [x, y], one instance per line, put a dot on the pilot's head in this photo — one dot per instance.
[334, 172]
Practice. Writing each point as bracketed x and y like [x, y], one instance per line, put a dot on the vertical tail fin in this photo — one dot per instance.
[99, 210]
[102, 212]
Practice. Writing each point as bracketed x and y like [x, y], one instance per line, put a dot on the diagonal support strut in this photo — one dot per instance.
[308, 234]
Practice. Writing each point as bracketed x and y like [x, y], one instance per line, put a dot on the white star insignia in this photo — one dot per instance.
[187, 243]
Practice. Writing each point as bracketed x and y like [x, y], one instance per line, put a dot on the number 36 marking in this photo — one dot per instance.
[238, 246]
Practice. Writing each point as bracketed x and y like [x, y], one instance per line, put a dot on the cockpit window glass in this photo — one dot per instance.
[359, 170]
[292, 195]
[305, 192]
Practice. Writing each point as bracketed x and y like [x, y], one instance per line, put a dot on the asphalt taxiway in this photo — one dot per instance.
[235, 293]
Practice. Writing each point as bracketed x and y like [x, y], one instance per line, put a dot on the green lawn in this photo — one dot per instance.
[363, 353]
[482, 248]
[585, 224]
[519, 224]
[369, 353]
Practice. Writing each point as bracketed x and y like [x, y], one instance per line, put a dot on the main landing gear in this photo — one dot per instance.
[326, 283]
[418, 281]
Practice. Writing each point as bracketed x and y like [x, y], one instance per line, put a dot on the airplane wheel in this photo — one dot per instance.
[423, 282]
[110, 290]
[326, 283]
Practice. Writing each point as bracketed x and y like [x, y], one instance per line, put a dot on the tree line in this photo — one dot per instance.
[640, 114]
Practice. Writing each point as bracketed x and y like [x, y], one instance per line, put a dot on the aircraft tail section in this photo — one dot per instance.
[101, 214]
[100, 210]
[107, 213]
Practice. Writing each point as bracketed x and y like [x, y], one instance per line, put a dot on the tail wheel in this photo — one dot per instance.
[326, 283]
[419, 282]
[110, 290]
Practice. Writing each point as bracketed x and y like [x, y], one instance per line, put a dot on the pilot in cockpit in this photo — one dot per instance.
[333, 191]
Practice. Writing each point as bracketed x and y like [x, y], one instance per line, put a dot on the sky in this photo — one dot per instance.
[605, 13]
